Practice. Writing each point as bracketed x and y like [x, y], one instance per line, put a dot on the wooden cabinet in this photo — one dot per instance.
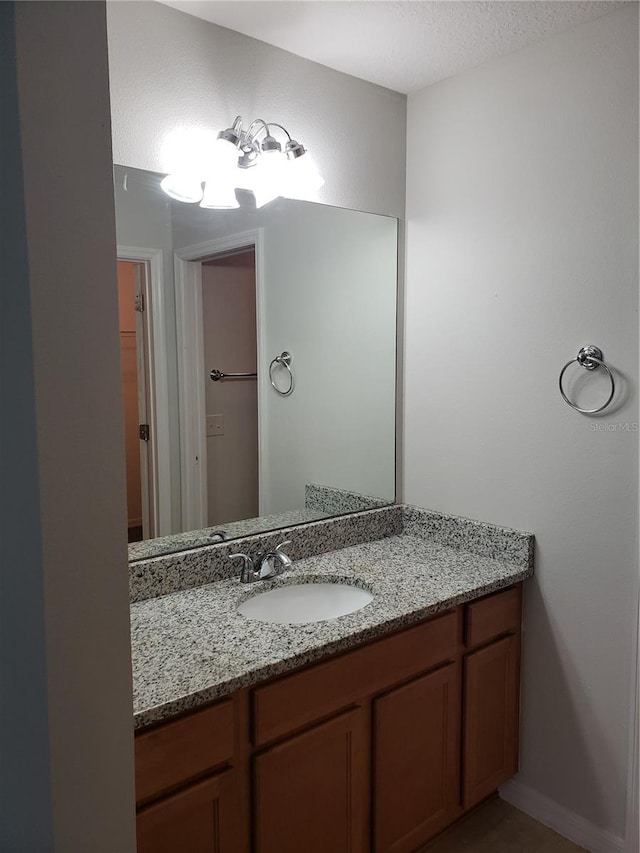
[492, 693]
[184, 749]
[417, 760]
[490, 718]
[312, 791]
[323, 689]
[202, 818]
[192, 790]
[376, 749]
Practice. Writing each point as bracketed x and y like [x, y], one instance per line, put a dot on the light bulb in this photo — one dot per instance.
[219, 196]
[184, 188]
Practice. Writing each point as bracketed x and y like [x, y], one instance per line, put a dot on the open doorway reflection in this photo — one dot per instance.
[130, 290]
[230, 346]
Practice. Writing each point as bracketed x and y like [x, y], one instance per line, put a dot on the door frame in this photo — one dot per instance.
[191, 396]
[155, 359]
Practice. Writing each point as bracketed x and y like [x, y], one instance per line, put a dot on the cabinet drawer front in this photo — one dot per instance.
[300, 699]
[497, 614]
[198, 819]
[178, 751]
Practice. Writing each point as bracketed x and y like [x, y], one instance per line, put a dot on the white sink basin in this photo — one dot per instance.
[305, 602]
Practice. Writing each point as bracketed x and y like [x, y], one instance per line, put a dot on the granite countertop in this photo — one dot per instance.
[192, 647]
[319, 502]
[232, 530]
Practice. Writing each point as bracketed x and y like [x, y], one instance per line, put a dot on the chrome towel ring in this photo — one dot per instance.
[590, 358]
[285, 360]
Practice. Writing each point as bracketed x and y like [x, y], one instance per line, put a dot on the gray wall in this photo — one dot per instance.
[169, 70]
[67, 661]
[26, 820]
[522, 220]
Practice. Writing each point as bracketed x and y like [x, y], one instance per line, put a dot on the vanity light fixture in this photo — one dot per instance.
[251, 159]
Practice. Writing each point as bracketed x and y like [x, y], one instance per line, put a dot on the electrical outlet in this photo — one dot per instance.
[215, 425]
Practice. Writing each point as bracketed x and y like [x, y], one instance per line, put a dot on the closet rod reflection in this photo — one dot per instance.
[218, 375]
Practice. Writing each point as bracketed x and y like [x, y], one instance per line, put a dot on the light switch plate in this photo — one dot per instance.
[215, 425]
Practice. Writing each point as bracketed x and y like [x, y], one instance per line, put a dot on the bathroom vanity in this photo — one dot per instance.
[373, 731]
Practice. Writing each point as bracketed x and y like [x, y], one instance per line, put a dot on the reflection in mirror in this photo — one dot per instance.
[258, 364]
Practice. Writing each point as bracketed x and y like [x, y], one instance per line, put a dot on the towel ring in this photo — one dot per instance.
[285, 360]
[590, 358]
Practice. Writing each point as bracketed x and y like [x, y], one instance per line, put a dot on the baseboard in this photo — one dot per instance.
[568, 824]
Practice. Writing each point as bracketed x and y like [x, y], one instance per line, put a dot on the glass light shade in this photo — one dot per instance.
[302, 179]
[263, 196]
[184, 188]
[219, 195]
[243, 178]
[224, 157]
[267, 177]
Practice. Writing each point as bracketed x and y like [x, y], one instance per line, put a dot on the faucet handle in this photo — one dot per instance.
[285, 559]
[246, 572]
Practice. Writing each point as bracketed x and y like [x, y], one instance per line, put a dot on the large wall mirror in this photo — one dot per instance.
[258, 352]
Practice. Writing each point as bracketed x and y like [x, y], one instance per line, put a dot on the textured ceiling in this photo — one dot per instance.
[401, 45]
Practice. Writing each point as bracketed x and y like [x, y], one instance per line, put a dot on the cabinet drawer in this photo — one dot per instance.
[199, 819]
[297, 700]
[179, 751]
[497, 614]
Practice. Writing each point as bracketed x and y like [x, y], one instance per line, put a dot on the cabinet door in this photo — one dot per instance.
[491, 718]
[417, 760]
[203, 818]
[311, 792]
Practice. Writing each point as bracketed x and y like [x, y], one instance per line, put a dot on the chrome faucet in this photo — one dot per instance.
[271, 560]
[264, 566]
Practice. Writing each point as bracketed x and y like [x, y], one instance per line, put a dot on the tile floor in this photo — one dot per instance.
[497, 827]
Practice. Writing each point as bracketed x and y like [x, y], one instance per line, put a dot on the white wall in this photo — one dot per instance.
[329, 300]
[67, 662]
[522, 209]
[169, 70]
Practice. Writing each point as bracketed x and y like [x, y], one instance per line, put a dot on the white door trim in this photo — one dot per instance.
[156, 359]
[191, 404]
[193, 446]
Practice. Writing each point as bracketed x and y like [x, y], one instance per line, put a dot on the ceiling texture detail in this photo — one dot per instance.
[403, 46]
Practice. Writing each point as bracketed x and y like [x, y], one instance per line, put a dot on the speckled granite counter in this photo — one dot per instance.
[319, 502]
[191, 646]
[178, 542]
